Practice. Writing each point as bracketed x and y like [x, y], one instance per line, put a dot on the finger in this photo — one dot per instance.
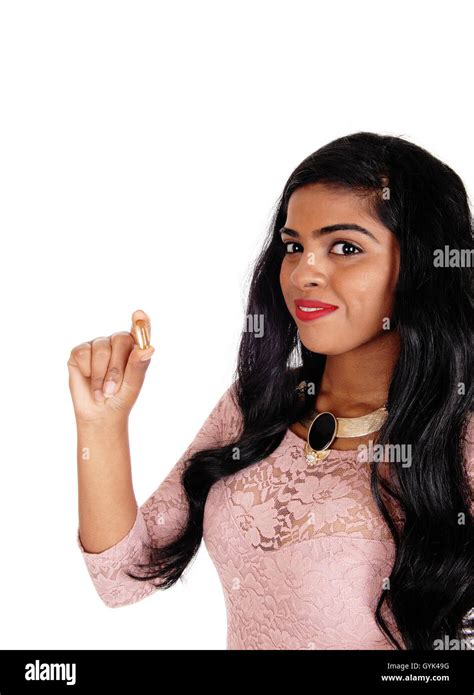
[79, 372]
[122, 345]
[141, 328]
[101, 352]
[81, 357]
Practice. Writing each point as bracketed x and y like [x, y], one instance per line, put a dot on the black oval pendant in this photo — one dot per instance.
[322, 431]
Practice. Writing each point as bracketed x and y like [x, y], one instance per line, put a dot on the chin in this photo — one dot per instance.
[326, 345]
[323, 347]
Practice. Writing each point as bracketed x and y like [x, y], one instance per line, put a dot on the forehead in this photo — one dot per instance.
[320, 201]
[319, 205]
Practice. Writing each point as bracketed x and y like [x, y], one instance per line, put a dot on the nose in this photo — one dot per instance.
[309, 272]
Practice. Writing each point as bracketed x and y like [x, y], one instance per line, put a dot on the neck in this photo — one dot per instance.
[358, 381]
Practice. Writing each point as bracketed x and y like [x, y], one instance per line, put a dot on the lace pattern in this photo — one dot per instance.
[302, 553]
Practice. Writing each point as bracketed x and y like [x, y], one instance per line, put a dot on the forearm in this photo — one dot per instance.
[107, 504]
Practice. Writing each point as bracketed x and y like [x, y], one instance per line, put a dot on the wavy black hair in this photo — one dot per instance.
[430, 395]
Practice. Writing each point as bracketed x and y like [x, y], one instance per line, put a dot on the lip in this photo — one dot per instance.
[324, 309]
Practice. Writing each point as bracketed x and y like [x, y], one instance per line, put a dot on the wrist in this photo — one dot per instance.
[101, 427]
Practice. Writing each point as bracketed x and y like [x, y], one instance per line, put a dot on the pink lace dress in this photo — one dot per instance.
[302, 552]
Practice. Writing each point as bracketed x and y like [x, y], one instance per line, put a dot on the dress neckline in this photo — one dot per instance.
[302, 442]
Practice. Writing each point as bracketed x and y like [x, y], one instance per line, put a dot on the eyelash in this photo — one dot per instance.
[341, 241]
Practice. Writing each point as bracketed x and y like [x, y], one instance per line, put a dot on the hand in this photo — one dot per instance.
[106, 375]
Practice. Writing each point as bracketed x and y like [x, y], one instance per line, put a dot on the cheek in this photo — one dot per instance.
[368, 291]
[284, 279]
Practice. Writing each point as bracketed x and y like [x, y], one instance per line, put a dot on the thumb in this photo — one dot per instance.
[139, 359]
[135, 371]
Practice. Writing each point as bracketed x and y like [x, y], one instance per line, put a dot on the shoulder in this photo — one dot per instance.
[226, 414]
[228, 408]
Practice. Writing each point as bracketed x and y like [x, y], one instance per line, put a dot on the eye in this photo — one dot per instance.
[348, 248]
[286, 244]
[346, 245]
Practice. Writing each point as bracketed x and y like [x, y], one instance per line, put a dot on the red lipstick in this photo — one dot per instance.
[314, 309]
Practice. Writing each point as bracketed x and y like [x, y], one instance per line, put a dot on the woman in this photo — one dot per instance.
[319, 543]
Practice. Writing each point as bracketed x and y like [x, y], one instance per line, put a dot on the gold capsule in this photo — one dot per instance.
[142, 334]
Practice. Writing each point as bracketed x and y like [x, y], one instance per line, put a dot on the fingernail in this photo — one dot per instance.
[98, 395]
[148, 355]
[109, 388]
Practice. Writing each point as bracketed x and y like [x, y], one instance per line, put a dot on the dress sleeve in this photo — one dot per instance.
[468, 632]
[159, 518]
[469, 454]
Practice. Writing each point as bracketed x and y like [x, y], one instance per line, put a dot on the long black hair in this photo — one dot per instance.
[430, 395]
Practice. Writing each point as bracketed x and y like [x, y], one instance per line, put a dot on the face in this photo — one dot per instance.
[352, 270]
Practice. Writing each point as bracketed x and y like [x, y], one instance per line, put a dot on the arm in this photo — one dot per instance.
[156, 521]
[107, 505]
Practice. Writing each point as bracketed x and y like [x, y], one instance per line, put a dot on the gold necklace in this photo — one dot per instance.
[324, 427]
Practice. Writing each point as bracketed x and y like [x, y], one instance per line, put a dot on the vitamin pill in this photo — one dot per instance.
[141, 332]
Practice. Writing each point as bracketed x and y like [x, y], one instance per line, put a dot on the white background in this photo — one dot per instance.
[143, 146]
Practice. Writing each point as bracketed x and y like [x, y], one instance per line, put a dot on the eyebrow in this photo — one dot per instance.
[329, 229]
